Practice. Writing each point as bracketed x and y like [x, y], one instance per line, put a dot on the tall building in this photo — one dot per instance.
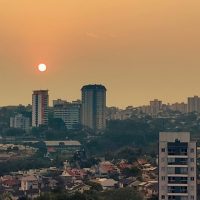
[40, 104]
[21, 122]
[179, 107]
[94, 107]
[155, 107]
[193, 104]
[113, 113]
[69, 112]
[145, 109]
[59, 102]
[177, 166]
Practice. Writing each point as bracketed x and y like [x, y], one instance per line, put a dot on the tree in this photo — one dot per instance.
[128, 153]
[5, 196]
[95, 186]
[14, 132]
[125, 194]
[134, 171]
[154, 198]
[57, 124]
[42, 148]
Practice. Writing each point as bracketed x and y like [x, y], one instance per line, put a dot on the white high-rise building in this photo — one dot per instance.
[193, 104]
[94, 107]
[177, 166]
[40, 104]
[69, 112]
[21, 122]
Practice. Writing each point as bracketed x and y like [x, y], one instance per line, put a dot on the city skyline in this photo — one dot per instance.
[63, 98]
[154, 53]
[100, 99]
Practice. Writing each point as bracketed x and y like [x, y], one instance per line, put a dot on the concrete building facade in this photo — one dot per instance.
[69, 112]
[193, 104]
[21, 122]
[155, 107]
[179, 107]
[40, 104]
[177, 166]
[94, 107]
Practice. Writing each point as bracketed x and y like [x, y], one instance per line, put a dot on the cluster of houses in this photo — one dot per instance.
[107, 175]
[14, 152]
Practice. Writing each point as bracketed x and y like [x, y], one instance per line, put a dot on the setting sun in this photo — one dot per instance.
[42, 67]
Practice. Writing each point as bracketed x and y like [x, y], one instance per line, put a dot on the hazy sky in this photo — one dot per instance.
[139, 49]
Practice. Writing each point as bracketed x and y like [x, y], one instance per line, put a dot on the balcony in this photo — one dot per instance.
[177, 194]
[179, 182]
[177, 161]
[177, 156]
[177, 165]
[177, 175]
[177, 189]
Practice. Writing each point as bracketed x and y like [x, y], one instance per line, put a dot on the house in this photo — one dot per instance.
[10, 183]
[127, 182]
[151, 189]
[67, 176]
[106, 183]
[81, 188]
[29, 183]
[141, 186]
[106, 168]
[142, 161]
[135, 185]
[71, 175]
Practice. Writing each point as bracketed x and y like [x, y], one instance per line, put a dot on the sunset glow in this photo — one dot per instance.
[152, 47]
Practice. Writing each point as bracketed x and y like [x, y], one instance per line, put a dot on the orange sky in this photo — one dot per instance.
[139, 49]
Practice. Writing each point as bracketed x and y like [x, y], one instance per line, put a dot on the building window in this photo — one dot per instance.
[163, 178]
[163, 150]
[163, 197]
[192, 169]
[192, 178]
[192, 197]
[191, 159]
[192, 150]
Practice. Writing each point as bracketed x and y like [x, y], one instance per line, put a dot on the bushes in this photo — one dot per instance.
[119, 194]
[122, 134]
[24, 164]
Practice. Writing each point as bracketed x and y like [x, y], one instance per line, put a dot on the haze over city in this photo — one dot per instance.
[139, 50]
[100, 100]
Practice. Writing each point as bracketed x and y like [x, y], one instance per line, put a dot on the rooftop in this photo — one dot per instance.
[29, 178]
[93, 87]
[65, 142]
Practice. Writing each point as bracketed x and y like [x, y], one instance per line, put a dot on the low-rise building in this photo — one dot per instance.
[67, 146]
[20, 122]
[29, 183]
[106, 183]
[69, 112]
[107, 168]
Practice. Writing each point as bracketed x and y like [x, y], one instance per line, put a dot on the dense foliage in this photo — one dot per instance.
[141, 133]
[25, 164]
[125, 194]
[34, 162]
[124, 133]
